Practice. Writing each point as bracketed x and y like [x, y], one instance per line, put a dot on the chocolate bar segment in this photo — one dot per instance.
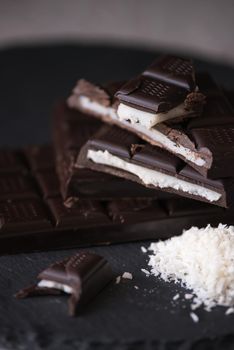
[37, 219]
[166, 84]
[82, 276]
[195, 140]
[71, 130]
[148, 165]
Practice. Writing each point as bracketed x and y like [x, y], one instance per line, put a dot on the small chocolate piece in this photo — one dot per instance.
[83, 276]
[200, 142]
[109, 151]
[167, 83]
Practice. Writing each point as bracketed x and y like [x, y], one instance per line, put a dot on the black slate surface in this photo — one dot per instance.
[121, 317]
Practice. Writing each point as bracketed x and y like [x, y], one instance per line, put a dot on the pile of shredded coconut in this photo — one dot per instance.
[201, 260]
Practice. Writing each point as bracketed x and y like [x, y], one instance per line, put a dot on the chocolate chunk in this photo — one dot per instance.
[83, 276]
[165, 171]
[167, 83]
[192, 140]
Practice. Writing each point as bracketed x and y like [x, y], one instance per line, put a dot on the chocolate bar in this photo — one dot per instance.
[33, 216]
[164, 91]
[82, 276]
[71, 130]
[200, 142]
[115, 151]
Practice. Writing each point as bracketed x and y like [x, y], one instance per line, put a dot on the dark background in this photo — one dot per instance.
[31, 80]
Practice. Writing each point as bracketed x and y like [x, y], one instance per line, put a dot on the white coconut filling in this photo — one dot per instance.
[152, 177]
[55, 285]
[147, 119]
[154, 134]
[96, 107]
[171, 145]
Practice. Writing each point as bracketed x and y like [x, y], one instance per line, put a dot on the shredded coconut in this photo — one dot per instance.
[136, 287]
[229, 311]
[188, 296]
[201, 260]
[143, 249]
[146, 272]
[118, 279]
[194, 317]
[176, 296]
[127, 275]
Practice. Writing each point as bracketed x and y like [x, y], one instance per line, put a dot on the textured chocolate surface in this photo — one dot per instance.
[71, 130]
[119, 143]
[164, 85]
[85, 273]
[208, 136]
[34, 217]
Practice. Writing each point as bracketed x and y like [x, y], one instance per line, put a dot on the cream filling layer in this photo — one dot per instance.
[96, 107]
[154, 134]
[152, 177]
[55, 285]
[147, 119]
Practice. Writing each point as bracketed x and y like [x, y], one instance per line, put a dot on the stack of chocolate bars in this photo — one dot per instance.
[130, 160]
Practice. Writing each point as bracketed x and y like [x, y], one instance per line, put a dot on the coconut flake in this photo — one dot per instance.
[127, 275]
[146, 272]
[201, 260]
[176, 296]
[194, 317]
[118, 279]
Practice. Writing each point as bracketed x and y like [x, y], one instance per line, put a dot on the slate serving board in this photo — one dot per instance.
[121, 317]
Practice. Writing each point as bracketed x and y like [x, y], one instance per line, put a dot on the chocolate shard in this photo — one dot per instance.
[150, 166]
[193, 140]
[167, 83]
[82, 276]
[85, 88]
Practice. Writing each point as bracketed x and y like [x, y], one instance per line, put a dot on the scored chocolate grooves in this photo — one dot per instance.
[37, 219]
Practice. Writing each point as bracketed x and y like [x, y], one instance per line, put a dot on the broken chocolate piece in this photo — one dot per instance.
[194, 140]
[109, 151]
[168, 83]
[82, 276]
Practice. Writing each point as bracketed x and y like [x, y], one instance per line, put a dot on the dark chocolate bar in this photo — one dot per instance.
[34, 218]
[200, 142]
[168, 83]
[82, 276]
[117, 152]
[71, 130]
